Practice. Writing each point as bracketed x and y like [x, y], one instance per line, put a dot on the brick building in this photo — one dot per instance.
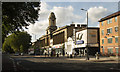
[110, 34]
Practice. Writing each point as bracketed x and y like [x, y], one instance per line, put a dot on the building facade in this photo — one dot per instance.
[55, 38]
[81, 41]
[110, 34]
[63, 40]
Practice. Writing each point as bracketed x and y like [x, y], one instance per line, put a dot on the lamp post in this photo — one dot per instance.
[87, 56]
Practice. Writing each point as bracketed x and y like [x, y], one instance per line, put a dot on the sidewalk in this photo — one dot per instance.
[101, 59]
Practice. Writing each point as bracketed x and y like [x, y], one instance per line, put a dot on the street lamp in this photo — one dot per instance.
[87, 56]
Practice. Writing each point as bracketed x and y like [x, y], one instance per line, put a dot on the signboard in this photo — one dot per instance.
[57, 46]
[80, 42]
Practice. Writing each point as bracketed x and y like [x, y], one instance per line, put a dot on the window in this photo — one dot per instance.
[116, 49]
[102, 32]
[110, 50]
[102, 41]
[109, 40]
[93, 35]
[103, 50]
[115, 19]
[116, 29]
[109, 30]
[116, 40]
[102, 23]
[110, 20]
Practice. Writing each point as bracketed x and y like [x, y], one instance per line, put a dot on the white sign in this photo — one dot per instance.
[69, 46]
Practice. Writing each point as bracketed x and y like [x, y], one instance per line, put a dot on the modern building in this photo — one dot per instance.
[90, 37]
[110, 34]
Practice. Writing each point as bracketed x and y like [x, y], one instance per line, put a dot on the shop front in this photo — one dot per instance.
[58, 49]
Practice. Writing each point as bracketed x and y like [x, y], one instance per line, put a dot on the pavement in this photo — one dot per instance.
[0, 61]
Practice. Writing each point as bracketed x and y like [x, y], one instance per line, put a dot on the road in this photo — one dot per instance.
[0, 60]
[30, 63]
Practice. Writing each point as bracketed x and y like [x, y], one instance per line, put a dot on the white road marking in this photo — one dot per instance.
[14, 64]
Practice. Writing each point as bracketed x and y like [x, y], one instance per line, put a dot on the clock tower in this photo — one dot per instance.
[52, 24]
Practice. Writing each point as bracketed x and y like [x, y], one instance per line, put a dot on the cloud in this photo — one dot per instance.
[64, 15]
[95, 13]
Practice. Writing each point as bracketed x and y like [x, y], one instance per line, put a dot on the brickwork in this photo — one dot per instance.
[111, 48]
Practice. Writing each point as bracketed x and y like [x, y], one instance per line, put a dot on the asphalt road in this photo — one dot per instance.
[27, 63]
[0, 61]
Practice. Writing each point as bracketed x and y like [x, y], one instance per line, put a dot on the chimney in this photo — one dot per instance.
[72, 25]
[78, 25]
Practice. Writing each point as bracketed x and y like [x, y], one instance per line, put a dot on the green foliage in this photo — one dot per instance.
[16, 15]
[7, 48]
[19, 41]
[21, 49]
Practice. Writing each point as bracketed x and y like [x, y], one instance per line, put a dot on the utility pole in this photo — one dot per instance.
[87, 56]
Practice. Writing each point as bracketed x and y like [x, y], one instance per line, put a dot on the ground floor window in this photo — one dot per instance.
[110, 50]
[103, 50]
[116, 49]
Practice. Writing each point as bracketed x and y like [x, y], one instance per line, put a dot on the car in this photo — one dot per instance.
[16, 54]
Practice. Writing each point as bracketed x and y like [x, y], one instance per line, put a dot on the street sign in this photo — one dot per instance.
[80, 42]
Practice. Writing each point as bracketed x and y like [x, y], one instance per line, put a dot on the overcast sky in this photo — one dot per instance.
[68, 12]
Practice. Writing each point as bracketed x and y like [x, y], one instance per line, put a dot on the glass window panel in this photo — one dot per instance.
[109, 40]
[116, 40]
[115, 19]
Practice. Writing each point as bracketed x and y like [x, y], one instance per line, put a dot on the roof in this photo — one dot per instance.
[88, 28]
[110, 16]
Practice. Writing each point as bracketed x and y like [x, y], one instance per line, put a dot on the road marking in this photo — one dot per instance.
[14, 64]
[18, 63]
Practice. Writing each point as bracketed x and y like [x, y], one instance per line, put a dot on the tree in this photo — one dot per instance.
[21, 48]
[19, 41]
[7, 48]
[16, 15]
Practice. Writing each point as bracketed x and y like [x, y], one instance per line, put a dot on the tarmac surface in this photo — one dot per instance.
[0, 60]
[34, 63]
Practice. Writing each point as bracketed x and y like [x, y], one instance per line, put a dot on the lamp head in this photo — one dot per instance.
[82, 9]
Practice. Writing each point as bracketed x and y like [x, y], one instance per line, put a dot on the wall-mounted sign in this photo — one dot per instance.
[80, 42]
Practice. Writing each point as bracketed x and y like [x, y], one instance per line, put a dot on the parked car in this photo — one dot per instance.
[16, 54]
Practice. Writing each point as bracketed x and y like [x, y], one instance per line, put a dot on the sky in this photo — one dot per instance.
[68, 12]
